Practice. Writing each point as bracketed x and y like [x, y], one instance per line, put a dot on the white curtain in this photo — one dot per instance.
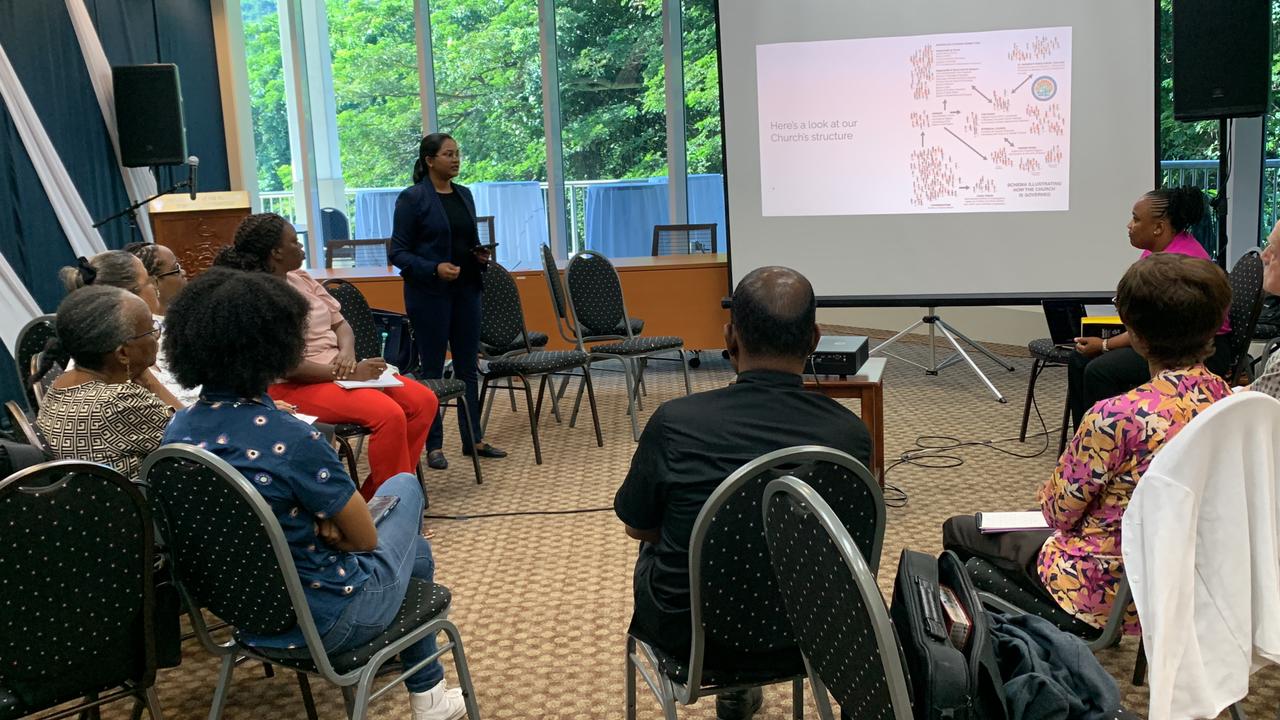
[67, 205]
[139, 183]
[18, 304]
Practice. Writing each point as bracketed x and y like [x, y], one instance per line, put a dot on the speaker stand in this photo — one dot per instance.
[954, 337]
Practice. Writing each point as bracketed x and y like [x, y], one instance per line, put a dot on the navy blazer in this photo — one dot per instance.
[421, 238]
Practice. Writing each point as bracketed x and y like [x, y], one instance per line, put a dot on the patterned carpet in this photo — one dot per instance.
[543, 600]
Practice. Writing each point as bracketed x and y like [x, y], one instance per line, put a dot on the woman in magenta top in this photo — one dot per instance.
[1161, 223]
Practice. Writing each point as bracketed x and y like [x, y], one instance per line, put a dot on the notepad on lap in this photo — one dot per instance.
[386, 380]
[998, 522]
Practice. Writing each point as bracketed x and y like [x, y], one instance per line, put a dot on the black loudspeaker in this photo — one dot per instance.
[149, 115]
[1221, 58]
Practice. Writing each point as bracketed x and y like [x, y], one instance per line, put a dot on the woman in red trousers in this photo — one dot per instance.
[400, 417]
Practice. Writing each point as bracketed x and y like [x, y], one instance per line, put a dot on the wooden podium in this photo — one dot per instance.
[195, 230]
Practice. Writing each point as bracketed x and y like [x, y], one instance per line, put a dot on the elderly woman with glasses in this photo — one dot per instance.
[117, 268]
[98, 411]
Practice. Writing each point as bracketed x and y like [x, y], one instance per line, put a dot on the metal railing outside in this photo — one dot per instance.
[1200, 173]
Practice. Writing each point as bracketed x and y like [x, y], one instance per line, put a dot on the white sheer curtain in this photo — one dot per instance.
[67, 204]
[139, 183]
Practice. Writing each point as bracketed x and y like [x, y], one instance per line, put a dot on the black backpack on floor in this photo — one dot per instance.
[953, 674]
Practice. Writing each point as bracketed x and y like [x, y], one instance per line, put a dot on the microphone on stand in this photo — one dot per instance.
[193, 165]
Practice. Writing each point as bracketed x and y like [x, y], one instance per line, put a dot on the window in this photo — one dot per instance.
[613, 116]
[488, 76]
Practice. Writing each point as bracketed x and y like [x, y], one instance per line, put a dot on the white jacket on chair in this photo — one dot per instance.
[1201, 546]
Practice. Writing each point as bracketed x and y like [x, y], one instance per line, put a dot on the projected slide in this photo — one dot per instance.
[962, 122]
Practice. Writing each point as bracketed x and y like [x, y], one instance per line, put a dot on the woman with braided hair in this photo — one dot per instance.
[1161, 222]
[162, 265]
[398, 417]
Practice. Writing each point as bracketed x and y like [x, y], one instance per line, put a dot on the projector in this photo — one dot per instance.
[838, 355]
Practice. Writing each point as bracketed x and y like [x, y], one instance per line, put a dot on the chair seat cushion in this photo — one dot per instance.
[423, 602]
[445, 388]
[538, 362]
[536, 340]
[1044, 349]
[640, 345]
[350, 430]
[992, 580]
[637, 326]
[768, 668]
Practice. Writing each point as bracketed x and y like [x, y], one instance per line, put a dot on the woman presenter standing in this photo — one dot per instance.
[435, 244]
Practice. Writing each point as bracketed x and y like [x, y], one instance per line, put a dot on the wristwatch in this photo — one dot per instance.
[1104, 345]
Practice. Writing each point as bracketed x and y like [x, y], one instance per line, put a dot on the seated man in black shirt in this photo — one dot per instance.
[693, 443]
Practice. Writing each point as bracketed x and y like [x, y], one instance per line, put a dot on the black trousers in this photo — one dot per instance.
[1121, 370]
[449, 320]
[1016, 553]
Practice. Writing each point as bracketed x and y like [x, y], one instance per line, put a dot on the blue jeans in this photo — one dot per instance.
[402, 553]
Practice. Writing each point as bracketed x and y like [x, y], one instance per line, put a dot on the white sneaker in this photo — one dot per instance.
[438, 703]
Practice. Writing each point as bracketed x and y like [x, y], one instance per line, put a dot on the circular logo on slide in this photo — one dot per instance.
[1044, 88]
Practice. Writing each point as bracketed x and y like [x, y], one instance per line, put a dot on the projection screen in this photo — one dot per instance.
[920, 147]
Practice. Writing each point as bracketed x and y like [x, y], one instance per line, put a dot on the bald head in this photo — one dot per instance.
[773, 314]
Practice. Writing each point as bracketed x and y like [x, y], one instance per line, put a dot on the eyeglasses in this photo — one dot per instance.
[156, 327]
[177, 270]
[450, 155]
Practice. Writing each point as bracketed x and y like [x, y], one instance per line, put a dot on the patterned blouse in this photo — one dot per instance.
[116, 424]
[1080, 564]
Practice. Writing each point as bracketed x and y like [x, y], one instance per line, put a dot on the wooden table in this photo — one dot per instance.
[868, 387]
[674, 295]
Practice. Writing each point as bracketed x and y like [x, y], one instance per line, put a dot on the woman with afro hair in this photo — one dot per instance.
[234, 333]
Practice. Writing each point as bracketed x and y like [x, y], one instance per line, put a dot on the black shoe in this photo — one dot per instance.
[437, 461]
[485, 451]
[739, 704]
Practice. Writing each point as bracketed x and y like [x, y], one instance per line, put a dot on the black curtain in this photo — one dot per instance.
[41, 44]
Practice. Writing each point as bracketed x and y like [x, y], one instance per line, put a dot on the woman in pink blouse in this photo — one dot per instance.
[1161, 222]
[399, 417]
[1172, 306]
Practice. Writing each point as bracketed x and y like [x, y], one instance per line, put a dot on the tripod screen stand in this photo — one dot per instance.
[954, 337]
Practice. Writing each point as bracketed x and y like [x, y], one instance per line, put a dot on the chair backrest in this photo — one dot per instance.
[484, 231]
[834, 605]
[555, 287]
[355, 310]
[733, 596]
[229, 553]
[501, 315]
[40, 384]
[78, 598]
[32, 339]
[348, 251]
[334, 225]
[24, 427]
[1246, 305]
[595, 297]
[684, 239]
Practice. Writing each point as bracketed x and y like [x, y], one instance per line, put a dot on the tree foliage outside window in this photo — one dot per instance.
[489, 89]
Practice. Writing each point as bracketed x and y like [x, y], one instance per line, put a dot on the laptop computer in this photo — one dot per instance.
[1063, 317]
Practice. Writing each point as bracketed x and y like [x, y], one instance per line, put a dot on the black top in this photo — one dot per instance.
[693, 443]
[465, 237]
